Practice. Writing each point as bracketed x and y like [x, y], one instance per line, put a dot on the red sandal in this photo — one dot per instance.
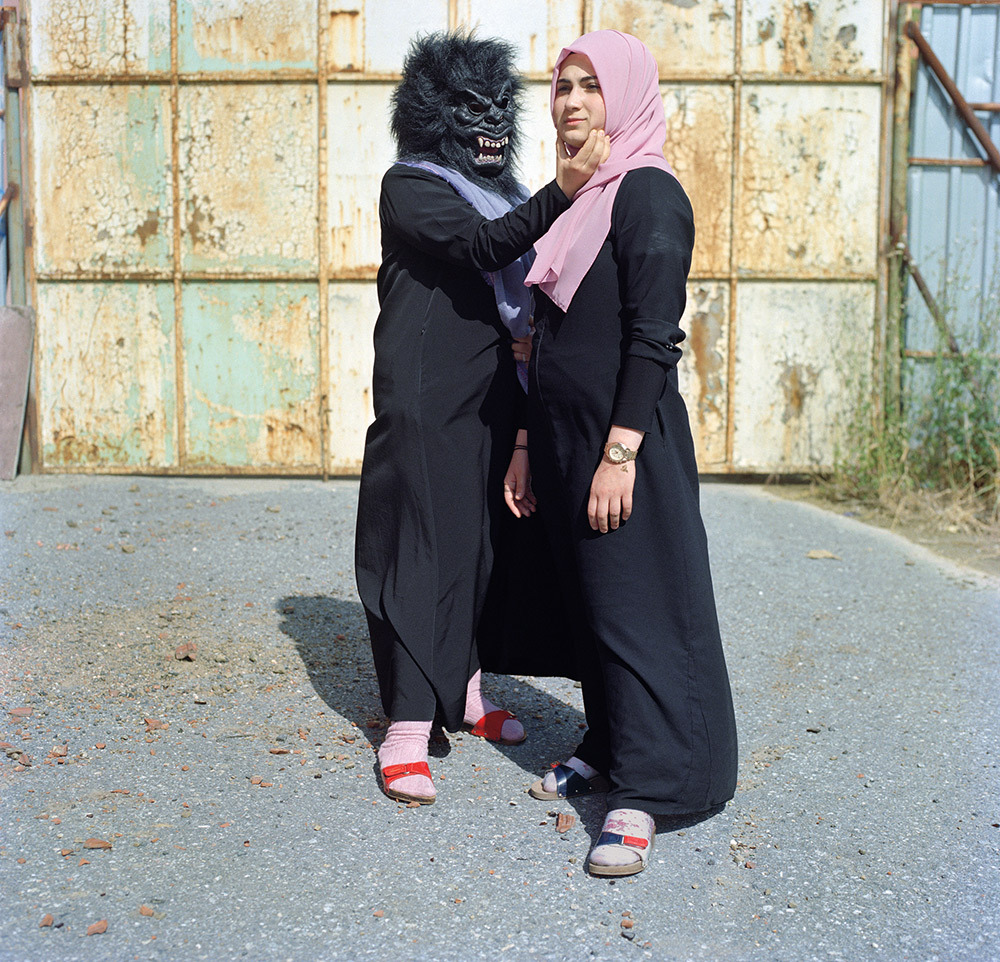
[490, 727]
[393, 772]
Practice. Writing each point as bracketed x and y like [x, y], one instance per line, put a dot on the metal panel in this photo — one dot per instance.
[803, 353]
[248, 177]
[841, 38]
[271, 35]
[688, 38]
[540, 29]
[235, 149]
[252, 375]
[809, 180]
[353, 309]
[702, 370]
[359, 154]
[373, 35]
[101, 158]
[700, 148]
[88, 37]
[106, 375]
[954, 209]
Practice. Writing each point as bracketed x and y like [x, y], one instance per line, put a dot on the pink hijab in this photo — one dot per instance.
[629, 81]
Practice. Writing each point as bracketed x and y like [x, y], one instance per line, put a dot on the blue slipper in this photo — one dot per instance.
[569, 784]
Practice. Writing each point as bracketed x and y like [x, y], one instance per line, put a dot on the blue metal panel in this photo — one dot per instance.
[954, 211]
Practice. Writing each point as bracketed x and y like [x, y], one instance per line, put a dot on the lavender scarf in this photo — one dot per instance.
[513, 298]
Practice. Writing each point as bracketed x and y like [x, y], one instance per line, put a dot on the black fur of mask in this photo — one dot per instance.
[457, 106]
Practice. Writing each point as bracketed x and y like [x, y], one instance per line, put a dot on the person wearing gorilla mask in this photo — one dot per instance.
[457, 231]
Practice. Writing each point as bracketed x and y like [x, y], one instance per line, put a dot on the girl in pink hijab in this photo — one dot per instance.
[612, 466]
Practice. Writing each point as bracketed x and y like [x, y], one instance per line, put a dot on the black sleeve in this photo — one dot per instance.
[652, 233]
[421, 210]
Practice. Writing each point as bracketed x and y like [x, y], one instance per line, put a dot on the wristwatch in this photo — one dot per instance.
[617, 453]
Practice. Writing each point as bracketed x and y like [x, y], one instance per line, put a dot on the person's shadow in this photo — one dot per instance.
[331, 636]
[332, 639]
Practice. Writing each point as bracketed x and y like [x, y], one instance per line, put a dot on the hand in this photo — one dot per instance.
[517, 482]
[611, 490]
[572, 172]
[610, 495]
[522, 348]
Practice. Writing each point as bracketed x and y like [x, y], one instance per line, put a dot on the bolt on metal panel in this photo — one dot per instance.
[688, 38]
[106, 376]
[539, 30]
[809, 180]
[248, 177]
[101, 158]
[271, 35]
[361, 149]
[386, 30]
[702, 369]
[74, 38]
[699, 147]
[252, 375]
[802, 359]
[804, 38]
[353, 310]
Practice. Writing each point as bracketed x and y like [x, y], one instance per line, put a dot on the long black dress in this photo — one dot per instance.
[446, 402]
[657, 696]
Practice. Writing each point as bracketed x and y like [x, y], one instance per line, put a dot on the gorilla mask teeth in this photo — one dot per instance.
[491, 151]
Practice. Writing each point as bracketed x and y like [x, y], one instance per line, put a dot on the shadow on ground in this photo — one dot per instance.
[332, 640]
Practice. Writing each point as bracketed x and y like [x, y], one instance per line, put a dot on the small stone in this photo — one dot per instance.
[98, 928]
[98, 843]
[627, 923]
[186, 652]
[64, 852]
[146, 911]
[128, 549]
[378, 913]
[47, 920]
[565, 822]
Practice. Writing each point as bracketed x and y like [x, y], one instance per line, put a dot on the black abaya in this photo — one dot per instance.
[657, 694]
[446, 401]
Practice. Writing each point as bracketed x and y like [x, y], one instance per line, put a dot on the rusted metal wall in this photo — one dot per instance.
[205, 189]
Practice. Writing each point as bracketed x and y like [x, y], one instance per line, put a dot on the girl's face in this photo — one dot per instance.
[579, 103]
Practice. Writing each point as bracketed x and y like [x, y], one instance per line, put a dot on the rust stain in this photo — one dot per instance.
[704, 337]
[699, 147]
[263, 32]
[345, 46]
[148, 227]
[798, 384]
[807, 47]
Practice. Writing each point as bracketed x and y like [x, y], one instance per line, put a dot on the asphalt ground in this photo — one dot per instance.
[226, 807]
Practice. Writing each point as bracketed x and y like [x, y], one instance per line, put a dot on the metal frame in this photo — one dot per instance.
[321, 78]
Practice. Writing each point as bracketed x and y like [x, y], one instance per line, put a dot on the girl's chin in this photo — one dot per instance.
[575, 138]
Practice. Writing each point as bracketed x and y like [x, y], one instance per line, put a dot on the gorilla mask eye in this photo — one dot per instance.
[475, 107]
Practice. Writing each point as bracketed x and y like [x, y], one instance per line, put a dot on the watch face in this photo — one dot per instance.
[616, 452]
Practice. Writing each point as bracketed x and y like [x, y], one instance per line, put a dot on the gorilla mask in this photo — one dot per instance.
[457, 106]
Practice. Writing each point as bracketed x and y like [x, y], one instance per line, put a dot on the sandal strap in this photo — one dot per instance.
[630, 841]
[490, 726]
[391, 772]
[570, 782]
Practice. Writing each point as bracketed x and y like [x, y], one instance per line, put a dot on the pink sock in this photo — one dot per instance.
[476, 706]
[406, 742]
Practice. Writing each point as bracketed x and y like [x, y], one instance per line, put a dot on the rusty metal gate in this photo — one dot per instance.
[203, 231]
[950, 240]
